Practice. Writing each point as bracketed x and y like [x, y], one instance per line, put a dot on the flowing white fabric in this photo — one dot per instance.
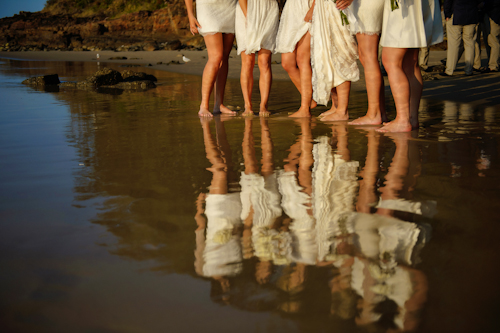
[258, 30]
[417, 23]
[368, 14]
[333, 51]
[260, 194]
[292, 26]
[216, 16]
[335, 184]
[296, 205]
[222, 254]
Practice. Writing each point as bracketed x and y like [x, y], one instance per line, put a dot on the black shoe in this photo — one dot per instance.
[479, 70]
[444, 74]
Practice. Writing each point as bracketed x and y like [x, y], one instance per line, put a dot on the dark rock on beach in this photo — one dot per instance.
[130, 76]
[46, 80]
[105, 78]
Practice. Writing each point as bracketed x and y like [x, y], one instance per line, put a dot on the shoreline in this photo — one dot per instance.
[477, 89]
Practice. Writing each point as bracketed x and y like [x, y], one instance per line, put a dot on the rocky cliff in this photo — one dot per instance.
[165, 28]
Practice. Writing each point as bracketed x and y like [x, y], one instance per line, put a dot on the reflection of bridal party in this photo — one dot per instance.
[320, 42]
[314, 213]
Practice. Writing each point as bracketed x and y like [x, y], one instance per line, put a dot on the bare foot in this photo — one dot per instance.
[336, 117]
[225, 110]
[396, 127]
[327, 113]
[303, 112]
[366, 120]
[247, 113]
[313, 104]
[204, 112]
[264, 113]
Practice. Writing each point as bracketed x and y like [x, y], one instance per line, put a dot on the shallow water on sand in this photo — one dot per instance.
[123, 212]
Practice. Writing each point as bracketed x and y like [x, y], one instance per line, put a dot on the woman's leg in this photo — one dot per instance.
[339, 112]
[265, 80]
[304, 63]
[289, 64]
[220, 83]
[368, 55]
[215, 51]
[392, 59]
[412, 71]
[246, 80]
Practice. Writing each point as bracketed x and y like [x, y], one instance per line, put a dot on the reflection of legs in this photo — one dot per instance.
[267, 149]
[394, 180]
[393, 59]
[219, 167]
[339, 131]
[249, 149]
[306, 158]
[304, 63]
[225, 149]
[220, 83]
[265, 80]
[246, 80]
[344, 299]
[339, 113]
[368, 175]
[215, 49]
[368, 55]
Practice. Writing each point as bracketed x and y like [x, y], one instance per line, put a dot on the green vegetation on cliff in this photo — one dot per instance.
[110, 8]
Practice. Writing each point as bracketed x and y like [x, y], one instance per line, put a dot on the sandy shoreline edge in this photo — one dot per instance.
[457, 88]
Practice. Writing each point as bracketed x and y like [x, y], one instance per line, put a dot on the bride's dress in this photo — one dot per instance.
[333, 51]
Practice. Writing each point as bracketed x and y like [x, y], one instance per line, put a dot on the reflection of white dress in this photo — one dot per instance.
[381, 237]
[222, 254]
[261, 194]
[417, 23]
[368, 14]
[257, 30]
[292, 25]
[335, 185]
[296, 205]
[216, 16]
[333, 51]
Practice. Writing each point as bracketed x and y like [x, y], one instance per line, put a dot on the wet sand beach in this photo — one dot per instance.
[123, 211]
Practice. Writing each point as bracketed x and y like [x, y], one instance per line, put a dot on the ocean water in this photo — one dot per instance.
[125, 212]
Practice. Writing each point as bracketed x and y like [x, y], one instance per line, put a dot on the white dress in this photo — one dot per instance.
[417, 23]
[334, 51]
[292, 26]
[368, 14]
[258, 30]
[216, 16]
